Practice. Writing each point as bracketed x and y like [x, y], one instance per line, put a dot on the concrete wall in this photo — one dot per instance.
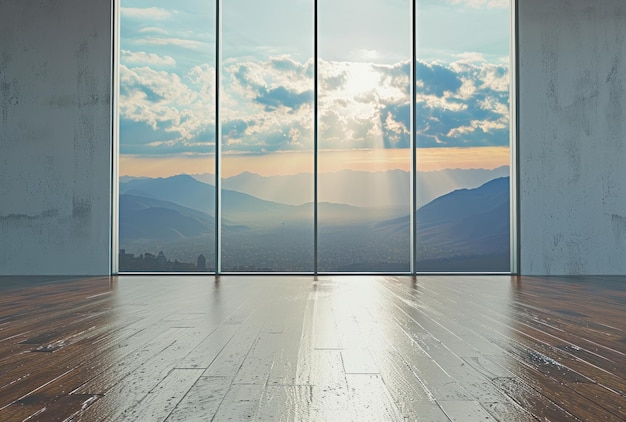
[55, 71]
[572, 130]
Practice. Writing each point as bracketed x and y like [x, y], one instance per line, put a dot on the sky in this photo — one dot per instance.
[167, 83]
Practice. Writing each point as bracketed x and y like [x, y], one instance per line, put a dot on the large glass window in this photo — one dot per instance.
[364, 135]
[267, 135]
[167, 135]
[462, 128]
[311, 154]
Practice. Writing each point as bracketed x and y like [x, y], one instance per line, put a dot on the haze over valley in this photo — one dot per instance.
[463, 221]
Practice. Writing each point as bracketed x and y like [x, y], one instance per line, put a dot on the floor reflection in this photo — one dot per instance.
[303, 348]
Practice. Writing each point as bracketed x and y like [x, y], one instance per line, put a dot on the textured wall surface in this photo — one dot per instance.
[55, 143]
[572, 141]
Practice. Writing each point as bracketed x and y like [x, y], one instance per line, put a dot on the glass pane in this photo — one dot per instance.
[462, 124]
[167, 135]
[364, 135]
[267, 139]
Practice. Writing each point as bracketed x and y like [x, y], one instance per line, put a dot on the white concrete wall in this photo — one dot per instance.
[572, 136]
[55, 136]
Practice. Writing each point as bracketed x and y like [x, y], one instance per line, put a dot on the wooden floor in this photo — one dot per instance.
[439, 348]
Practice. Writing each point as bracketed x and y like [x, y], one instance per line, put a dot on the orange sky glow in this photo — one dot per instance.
[285, 163]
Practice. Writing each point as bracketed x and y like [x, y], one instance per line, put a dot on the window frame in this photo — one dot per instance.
[514, 145]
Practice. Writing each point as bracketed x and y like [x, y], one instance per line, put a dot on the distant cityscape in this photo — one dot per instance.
[466, 229]
[150, 262]
[158, 263]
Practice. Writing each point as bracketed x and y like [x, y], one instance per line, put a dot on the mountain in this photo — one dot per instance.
[464, 230]
[240, 208]
[124, 179]
[181, 189]
[185, 190]
[147, 218]
[357, 188]
[462, 224]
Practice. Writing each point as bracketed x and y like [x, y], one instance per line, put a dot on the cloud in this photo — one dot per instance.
[364, 55]
[395, 122]
[171, 41]
[470, 57]
[153, 29]
[437, 79]
[147, 13]
[369, 108]
[481, 4]
[282, 97]
[143, 58]
[476, 113]
[267, 105]
[179, 110]
[334, 82]
[235, 129]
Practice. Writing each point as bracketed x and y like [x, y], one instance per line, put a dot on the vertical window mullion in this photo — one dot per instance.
[315, 135]
[515, 209]
[413, 141]
[218, 140]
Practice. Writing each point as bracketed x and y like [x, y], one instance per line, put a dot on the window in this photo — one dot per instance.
[167, 135]
[267, 136]
[364, 135]
[462, 136]
[306, 136]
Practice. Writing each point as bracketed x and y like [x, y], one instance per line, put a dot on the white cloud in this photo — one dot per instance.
[486, 126]
[154, 13]
[178, 42]
[364, 55]
[395, 126]
[479, 4]
[447, 102]
[470, 57]
[153, 30]
[164, 101]
[267, 105]
[143, 58]
[493, 78]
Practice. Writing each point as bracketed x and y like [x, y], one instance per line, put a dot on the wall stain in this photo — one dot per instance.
[9, 89]
[614, 110]
[618, 224]
[81, 209]
[87, 96]
[50, 213]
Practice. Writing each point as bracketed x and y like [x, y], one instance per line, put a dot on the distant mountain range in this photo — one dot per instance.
[148, 218]
[462, 230]
[239, 208]
[187, 191]
[357, 188]
[462, 224]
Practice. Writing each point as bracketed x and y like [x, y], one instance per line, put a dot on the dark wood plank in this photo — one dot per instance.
[434, 348]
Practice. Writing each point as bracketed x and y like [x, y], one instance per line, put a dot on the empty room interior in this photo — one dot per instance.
[312, 210]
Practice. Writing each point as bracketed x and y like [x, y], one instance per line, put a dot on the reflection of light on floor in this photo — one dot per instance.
[316, 348]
